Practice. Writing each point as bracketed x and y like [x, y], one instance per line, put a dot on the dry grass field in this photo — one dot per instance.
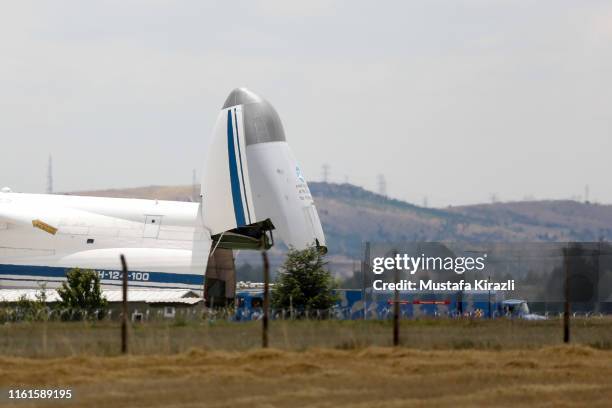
[554, 376]
[312, 364]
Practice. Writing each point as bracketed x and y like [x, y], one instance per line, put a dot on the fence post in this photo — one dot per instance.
[266, 299]
[396, 309]
[124, 320]
[490, 308]
[365, 263]
[566, 312]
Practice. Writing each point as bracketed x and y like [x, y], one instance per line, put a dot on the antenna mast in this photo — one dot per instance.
[382, 185]
[50, 176]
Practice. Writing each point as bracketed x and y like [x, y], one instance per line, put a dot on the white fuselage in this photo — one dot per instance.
[252, 184]
[157, 238]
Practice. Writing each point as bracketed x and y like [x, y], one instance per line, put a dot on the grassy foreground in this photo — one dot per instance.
[312, 363]
[57, 339]
[371, 377]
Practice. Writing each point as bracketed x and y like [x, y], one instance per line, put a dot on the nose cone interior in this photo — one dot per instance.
[261, 121]
[241, 96]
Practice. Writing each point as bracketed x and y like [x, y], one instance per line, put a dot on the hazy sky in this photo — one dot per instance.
[450, 100]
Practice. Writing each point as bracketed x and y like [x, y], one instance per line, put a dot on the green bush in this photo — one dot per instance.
[303, 282]
[81, 295]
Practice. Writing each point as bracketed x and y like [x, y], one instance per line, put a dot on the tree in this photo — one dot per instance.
[303, 282]
[82, 291]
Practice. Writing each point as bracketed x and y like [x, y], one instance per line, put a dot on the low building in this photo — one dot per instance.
[143, 304]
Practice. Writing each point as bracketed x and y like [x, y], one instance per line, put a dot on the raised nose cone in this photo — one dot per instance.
[261, 121]
[240, 96]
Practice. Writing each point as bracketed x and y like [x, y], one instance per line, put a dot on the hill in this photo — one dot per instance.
[352, 215]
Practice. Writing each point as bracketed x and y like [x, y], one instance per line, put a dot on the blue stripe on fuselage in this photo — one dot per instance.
[60, 272]
[133, 285]
[246, 200]
[233, 168]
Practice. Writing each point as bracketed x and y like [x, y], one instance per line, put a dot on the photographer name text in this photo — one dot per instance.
[430, 285]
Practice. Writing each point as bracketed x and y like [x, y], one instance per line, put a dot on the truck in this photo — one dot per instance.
[380, 304]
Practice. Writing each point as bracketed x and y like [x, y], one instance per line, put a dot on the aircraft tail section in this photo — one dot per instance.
[252, 182]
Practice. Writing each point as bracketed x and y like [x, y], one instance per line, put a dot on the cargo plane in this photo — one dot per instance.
[253, 192]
